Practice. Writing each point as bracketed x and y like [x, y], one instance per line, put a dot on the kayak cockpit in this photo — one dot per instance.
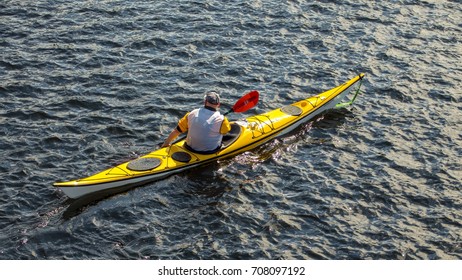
[231, 137]
[228, 139]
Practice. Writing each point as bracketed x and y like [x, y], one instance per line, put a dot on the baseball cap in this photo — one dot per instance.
[212, 97]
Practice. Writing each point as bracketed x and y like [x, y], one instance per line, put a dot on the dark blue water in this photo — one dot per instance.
[86, 85]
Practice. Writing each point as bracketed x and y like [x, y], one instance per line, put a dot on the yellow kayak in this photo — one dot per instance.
[245, 135]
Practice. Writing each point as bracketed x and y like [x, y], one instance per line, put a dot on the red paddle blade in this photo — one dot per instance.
[246, 102]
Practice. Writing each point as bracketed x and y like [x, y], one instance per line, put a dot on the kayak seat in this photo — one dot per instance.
[228, 139]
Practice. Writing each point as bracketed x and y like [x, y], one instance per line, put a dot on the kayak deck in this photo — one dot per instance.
[245, 135]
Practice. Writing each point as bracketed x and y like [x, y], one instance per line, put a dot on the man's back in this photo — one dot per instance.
[204, 133]
[205, 126]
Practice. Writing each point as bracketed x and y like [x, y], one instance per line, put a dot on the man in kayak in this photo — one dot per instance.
[205, 126]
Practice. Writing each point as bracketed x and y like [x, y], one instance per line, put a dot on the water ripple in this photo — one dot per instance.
[86, 86]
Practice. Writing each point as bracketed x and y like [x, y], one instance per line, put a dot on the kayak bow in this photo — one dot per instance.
[245, 135]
